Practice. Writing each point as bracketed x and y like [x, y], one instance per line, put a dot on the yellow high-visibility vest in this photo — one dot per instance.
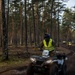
[49, 47]
[69, 43]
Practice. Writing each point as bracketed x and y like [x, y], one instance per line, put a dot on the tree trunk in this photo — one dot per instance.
[21, 26]
[4, 33]
[0, 25]
[34, 23]
[15, 27]
[26, 28]
[51, 18]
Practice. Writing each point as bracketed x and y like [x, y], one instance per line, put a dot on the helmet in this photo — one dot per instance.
[47, 36]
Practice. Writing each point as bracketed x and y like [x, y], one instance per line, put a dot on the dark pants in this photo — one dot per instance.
[51, 53]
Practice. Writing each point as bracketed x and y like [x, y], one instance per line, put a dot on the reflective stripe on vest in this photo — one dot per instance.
[49, 46]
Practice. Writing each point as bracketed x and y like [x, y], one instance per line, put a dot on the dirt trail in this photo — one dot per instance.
[70, 65]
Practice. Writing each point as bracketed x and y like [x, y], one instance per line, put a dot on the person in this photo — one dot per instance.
[69, 44]
[48, 44]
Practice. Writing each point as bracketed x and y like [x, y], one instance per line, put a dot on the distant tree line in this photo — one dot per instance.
[68, 25]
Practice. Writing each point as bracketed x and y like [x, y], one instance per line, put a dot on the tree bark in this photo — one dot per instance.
[0, 25]
[4, 33]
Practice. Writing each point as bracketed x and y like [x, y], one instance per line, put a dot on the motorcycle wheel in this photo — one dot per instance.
[30, 70]
[64, 70]
[53, 70]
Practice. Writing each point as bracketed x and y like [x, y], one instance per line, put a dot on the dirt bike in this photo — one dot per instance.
[47, 65]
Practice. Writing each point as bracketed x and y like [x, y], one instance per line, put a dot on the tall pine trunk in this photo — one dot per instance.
[4, 33]
[26, 28]
[21, 25]
[0, 25]
[34, 22]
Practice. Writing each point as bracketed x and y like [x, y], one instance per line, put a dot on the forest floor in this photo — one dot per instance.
[18, 63]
